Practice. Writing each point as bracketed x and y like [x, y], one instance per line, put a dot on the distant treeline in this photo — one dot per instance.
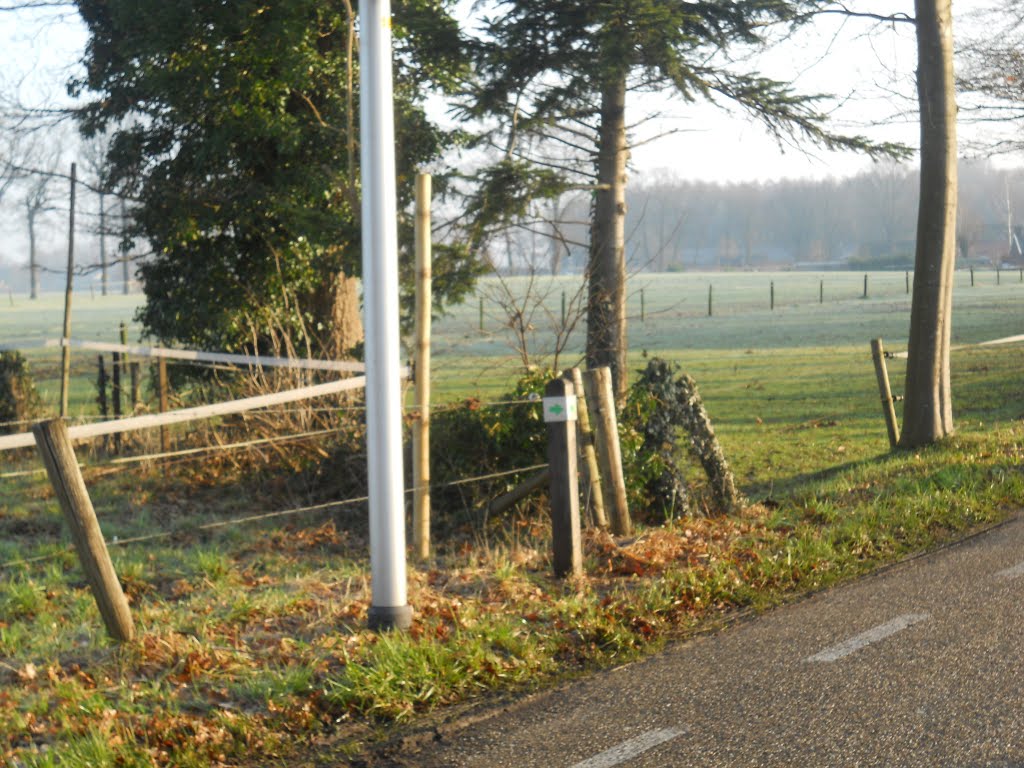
[865, 221]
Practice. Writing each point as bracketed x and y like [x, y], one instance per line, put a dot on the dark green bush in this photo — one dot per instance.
[19, 401]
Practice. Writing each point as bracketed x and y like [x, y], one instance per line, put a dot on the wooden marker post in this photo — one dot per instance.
[586, 441]
[421, 426]
[709, 300]
[771, 296]
[865, 287]
[62, 467]
[560, 417]
[601, 399]
[888, 408]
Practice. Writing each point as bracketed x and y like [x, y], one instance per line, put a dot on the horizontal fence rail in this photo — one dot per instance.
[82, 431]
[194, 355]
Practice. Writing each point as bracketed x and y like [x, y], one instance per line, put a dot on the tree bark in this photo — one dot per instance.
[606, 301]
[928, 413]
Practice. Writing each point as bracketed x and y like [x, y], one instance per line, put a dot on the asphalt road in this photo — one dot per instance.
[920, 665]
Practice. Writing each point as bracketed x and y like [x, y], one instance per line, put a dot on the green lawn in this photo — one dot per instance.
[252, 646]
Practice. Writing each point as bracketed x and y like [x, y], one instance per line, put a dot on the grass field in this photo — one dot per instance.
[252, 645]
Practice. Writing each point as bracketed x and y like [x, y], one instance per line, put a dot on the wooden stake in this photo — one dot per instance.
[567, 556]
[888, 409]
[771, 296]
[601, 398]
[65, 359]
[421, 426]
[821, 292]
[592, 471]
[62, 467]
[865, 287]
[709, 301]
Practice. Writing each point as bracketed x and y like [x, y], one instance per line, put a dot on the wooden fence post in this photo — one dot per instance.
[421, 425]
[771, 296]
[62, 467]
[865, 287]
[906, 279]
[560, 417]
[601, 398]
[481, 314]
[972, 277]
[115, 394]
[165, 442]
[821, 292]
[643, 307]
[709, 300]
[586, 440]
[133, 370]
[888, 409]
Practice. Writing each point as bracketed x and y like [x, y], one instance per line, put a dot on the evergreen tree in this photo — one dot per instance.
[552, 77]
[234, 134]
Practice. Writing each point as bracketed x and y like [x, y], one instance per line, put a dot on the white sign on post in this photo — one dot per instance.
[559, 409]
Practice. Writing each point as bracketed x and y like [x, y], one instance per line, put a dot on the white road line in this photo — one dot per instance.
[873, 635]
[1011, 573]
[627, 750]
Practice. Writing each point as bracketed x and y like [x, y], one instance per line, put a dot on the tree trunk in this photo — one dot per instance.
[928, 413]
[606, 302]
[340, 304]
[104, 284]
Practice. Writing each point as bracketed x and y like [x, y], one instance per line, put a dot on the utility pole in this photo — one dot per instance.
[389, 607]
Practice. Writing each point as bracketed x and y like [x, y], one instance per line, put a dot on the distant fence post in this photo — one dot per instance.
[560, 417]
[972, 277]
[62, 467]
[133, 370]
[586, 439]
[165, 443]
[643, 306]
[888, 408]
[906, 278]
[821, 292]
[998, 280]
[771, 296]
[865, 287]
[601, 398]
[421, 425]
[709, 300]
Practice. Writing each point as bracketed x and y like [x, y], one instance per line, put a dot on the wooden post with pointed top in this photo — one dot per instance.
[62, 467]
